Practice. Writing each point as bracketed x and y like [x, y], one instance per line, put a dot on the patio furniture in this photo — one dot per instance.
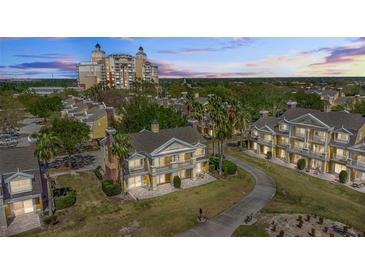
[312, 233]
[300, 224]
[281, 233]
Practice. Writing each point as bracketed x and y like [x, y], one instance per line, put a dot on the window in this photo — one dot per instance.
[199, 151]
[283, 127]
[300, 131]
[137, 163]
[342, 137]
[19, 186]
[175, 157]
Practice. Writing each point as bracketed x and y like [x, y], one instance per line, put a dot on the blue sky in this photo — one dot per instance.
[190, 57]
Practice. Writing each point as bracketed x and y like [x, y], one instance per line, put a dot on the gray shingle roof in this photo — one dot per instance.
[22, 159]
[147, 141]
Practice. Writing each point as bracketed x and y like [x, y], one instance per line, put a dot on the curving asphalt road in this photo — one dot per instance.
[224, 224]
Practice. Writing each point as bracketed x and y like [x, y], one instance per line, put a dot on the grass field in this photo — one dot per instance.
[95, 215]
[301, 193]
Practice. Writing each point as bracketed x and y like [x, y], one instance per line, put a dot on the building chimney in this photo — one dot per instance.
[184, 94]
[292, 104]
[155, 126]
[264, 113]
[196, 95]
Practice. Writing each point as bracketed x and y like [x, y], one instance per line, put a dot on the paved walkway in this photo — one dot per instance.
[224, 224]
[21, 223]
[145, 193]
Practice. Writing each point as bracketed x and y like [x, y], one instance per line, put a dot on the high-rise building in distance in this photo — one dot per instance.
[116, 70]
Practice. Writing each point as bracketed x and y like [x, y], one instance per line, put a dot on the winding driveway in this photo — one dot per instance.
[224, 224]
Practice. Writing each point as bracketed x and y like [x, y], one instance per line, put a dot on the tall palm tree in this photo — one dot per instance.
[47, 148]
[120, 148]
[242, 119]
[198, 113]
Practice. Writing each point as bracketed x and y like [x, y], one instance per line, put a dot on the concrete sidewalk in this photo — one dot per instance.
[224, 224]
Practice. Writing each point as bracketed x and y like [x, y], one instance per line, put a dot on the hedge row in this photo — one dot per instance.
[228, 167]
[110, 188]
[64, 198]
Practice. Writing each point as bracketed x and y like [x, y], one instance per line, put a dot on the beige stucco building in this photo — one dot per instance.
[116, 70]
[328, 141]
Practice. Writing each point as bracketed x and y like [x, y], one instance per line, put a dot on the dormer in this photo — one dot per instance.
[283, 127]
[342, 135]
[19, 183]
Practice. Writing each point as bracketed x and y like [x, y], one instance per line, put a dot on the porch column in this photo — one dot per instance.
[154, 182]
[3, 221]
[308, 163]
[193, 173]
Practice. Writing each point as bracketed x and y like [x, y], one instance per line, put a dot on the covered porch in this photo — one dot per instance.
[162, 189]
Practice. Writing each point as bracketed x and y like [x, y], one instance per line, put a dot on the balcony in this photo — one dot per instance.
[339, 157]
[173, 166]
[283, 143]
[309, 153]
[360, 164]
[318, 139]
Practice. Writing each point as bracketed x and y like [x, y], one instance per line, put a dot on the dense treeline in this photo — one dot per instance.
[19, 86]
[141, 112]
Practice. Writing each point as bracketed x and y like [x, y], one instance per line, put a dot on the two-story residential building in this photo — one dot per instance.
[20, 185]
[96, 115]
[158, 155]
[329, 141]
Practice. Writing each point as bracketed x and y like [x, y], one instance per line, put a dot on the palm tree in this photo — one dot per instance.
[120, 148]
[198, 113]
[242, 119]
[47, 148]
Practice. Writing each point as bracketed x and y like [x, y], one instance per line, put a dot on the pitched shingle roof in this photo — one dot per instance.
[147, 141]
[22, 159]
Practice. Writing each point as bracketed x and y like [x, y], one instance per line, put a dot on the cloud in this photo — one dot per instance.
[44, 56]
[343, 54]
[169, 70]
[231, 44]
[60, 65]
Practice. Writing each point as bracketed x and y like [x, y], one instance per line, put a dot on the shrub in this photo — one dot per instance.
[64, 197]
[50, 220]
[269, 155]
[110, 188]
[301, 164]
[229, 168]
[214, 161]
[177, 181]
[98, 173]
[343, 176]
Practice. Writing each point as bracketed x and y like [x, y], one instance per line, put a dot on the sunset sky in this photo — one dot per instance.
[190, 57]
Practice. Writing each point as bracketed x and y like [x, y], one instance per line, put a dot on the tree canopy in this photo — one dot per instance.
[139, 113]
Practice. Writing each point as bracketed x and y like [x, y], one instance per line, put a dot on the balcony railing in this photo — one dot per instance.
[318, 139]
[283, 143]
[308, 152]
[172, 165]
[359, 163]
[340, 157]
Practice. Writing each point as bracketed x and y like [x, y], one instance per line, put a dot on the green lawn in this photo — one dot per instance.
[300, 193]
[95, 215]
[250, 231]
